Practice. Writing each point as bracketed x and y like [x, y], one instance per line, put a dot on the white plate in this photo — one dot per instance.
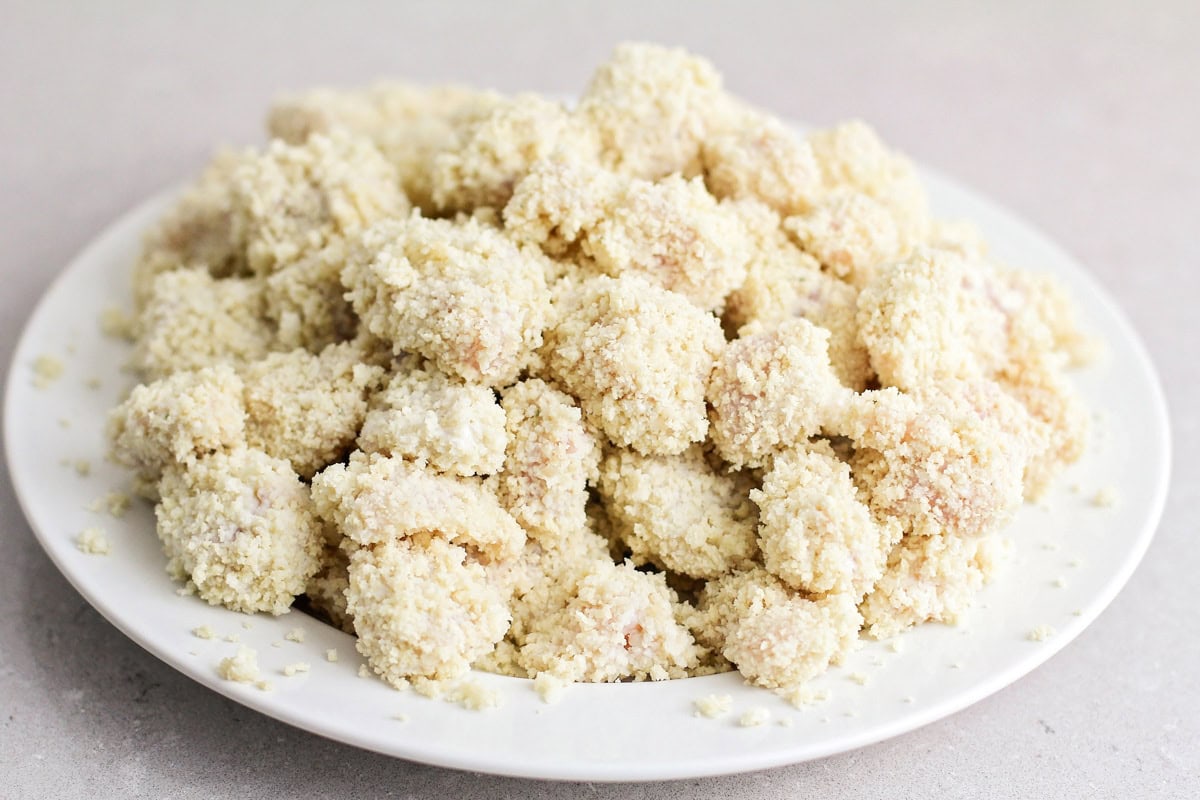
[596, 732]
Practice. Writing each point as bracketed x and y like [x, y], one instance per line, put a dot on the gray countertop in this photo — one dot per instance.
[1082, 117]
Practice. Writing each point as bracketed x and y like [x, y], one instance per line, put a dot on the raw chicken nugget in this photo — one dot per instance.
[850, 233]
[674, 234]
[198, 230]
[462, 295]
[295, 199]
[410, 124]
[638, 358]
[422, 608]
[557, 202]
[374, 499]
[651, 108]
[241, 526]
[764, 159]
[929, 578]
[192, 320]
[308, 408]
[676, 512]
[618, 624]
[550, 459]
[176, 420]
[776, 637]
[816, 535]
[771, 390]
[423, 415]
[497, 150]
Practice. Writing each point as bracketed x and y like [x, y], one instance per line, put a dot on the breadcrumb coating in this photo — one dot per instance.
[240, 525]
[557, 201]
[177, 420]
[326, 589]
[618, 624]
[638, 358]
[296, 199]
[409, 124]
[192, 320]
[375, 498]
[850, 233]
[764, 159]
[776, 637]
[652, 107]
[816, 535]
[198, 231]
[929, 578]
[674, 234]
[424, 416]
[306, 303]
[677, 513]
[771, 390]
[551, 458]
[308, 408]
[462, 295]
[496, 151]
[422, 609]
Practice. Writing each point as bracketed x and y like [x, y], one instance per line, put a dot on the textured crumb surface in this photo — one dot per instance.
[637, 388]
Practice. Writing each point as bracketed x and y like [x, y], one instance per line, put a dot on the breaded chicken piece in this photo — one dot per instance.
[425, 416]
[851, 155]
[850, 233]
[762, 158]
[948, 461]
[776, 637]
[462, 295]
[326, 589]
[409, 124]
[557, 202]
[176, 420]
[816, 535]
[674, 234]
[925, 319]
[305, 301]
[496, 151]
[551, 458]
[192, 320]
[295, 199]
[771, 390]
[652, 107]
[308, 408]
[197, 232]
[1054, 404]
[422, 608]
[929, 578]
[241, 526]
[618, 624]
[374, 499]
[638, 358]
[677, 513]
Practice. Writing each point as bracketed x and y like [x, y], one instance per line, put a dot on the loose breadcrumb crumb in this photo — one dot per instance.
[364, 671]
[295, 635]
[713, 705]
[331, 654]
[296, 668]
[860, 678]
[233, 638]
[83, 467]
[115, 503]
[896, 645]
[1060, 582]
[1041, 633]
[754, 717]
[474, 696]
[240, 668]
[549, 687]
[93, 383]
[117, 323]
[264, 686]
[247, 624]
[204, 632]
[92, 541]
[1106, 497]
[786, 722]
[46, 370]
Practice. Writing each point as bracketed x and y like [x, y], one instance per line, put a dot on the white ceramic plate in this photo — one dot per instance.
[596, 732]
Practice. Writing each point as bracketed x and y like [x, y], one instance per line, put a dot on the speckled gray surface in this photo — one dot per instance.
[1083, 118]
